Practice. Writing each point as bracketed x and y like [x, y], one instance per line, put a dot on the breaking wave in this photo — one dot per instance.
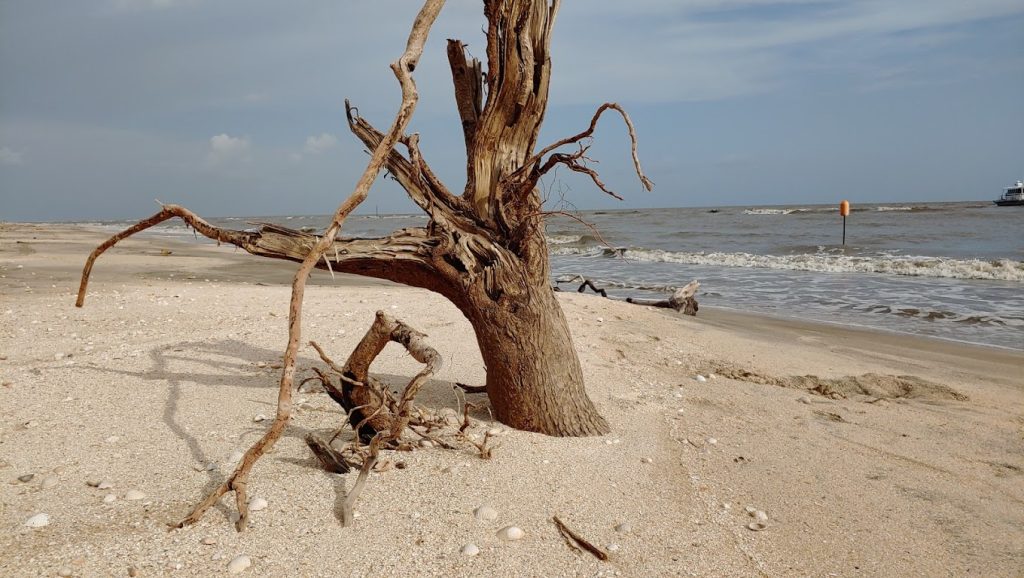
[940, 267]
[573, 239]
[564, 239]
[855, 209]
[773, 211]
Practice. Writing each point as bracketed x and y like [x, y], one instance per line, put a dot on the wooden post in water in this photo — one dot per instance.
[844, 210]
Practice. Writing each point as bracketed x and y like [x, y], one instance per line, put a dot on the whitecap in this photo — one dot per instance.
[904, 265]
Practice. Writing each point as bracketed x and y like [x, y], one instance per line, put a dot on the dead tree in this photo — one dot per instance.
[484, 249]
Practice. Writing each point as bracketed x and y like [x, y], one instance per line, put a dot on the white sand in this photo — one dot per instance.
[924, 485]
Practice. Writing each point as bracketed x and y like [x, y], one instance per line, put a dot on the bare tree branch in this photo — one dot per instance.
[167, 212]
[403, 68]
[535, 159]
[404, 256]
[575, 162]
[415, 176]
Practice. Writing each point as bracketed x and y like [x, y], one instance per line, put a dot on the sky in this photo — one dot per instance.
[235, 107]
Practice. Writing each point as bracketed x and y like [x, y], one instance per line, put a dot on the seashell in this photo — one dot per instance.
[756, 526]
[239, 564]
[38, 521]
[510, 533]
[485, 514]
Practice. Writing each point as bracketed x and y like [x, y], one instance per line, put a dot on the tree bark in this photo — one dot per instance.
[534, 378]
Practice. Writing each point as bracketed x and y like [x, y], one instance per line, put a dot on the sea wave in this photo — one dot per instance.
[387, 217]
[835, 209]
[913, 266]
[933, 315]
[564, 239]
[582, 240]
[773, 211]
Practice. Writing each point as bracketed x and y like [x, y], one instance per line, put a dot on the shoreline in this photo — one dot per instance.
[871, 454]
[241, 267]
[980, 203]
[809, 324]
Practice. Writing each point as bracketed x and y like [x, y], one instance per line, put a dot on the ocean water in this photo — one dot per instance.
[946, 270]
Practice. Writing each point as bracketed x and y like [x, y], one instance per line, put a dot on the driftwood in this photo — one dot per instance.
[238, 481]
[683, 299]
[331, 459]
[575, 541]
[471, 388]
[377, 417]
[588, 283]
[484, 249]
[375, 414]
[370, 406]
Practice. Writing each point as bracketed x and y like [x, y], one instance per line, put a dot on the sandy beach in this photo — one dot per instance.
[164, 369]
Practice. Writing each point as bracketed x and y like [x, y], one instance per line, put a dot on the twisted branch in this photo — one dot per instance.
[404, 257]
[531, 164]
[167, 212]
[402, 68]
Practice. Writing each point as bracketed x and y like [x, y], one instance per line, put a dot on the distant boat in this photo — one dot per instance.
[1013, 197]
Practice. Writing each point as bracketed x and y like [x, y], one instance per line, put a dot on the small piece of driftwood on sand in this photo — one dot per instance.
[683, 299]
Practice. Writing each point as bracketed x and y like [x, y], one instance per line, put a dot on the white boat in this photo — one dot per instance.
[1013, 197]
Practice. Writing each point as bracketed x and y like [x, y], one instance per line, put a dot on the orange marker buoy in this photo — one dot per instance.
[844, 209]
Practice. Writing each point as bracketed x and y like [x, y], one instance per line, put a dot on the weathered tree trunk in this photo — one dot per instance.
[534, 378]
[484, 249]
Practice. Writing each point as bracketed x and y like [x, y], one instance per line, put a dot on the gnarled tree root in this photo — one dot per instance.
[402, 68]
[392, 421]
[368, 410]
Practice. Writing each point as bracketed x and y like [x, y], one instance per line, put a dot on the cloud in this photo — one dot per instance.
[225, 149]
[9, 156]
[318, 144]
[671, 50]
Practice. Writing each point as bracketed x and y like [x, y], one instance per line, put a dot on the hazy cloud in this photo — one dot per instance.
[9, 156]
[715, 49]
[224, 149]
[318, 144]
